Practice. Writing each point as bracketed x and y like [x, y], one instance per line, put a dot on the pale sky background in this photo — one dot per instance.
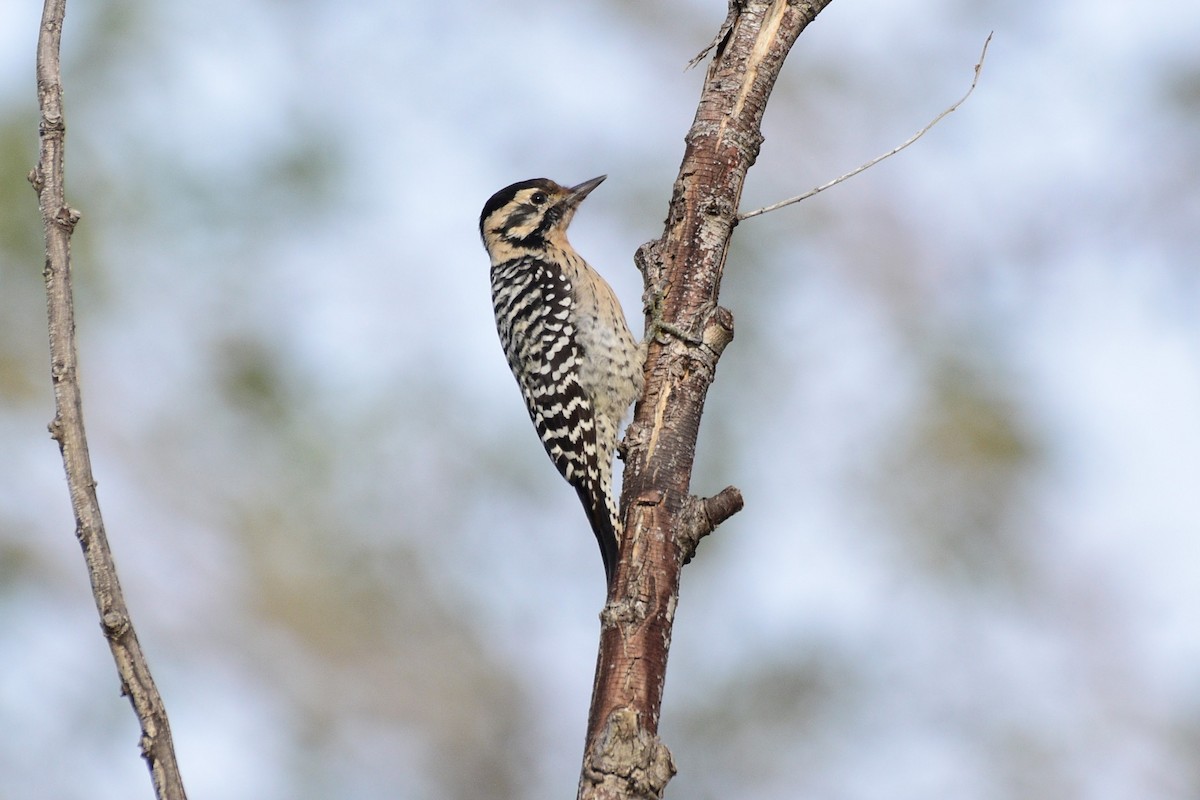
[963, 403]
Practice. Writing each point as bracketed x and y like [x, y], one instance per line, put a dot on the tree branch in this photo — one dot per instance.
[67, 427]
[888, 154]
[686, 334]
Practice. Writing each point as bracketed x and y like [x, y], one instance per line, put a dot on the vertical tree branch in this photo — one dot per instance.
[687, 332]
[67, 427]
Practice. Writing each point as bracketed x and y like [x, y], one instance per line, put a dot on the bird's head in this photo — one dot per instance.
[530, 215]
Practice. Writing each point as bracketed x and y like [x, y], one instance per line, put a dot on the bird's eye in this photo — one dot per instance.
[537, 198]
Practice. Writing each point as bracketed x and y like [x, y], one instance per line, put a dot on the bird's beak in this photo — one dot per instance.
[583, 190]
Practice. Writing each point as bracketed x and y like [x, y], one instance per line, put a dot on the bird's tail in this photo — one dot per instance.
[602, 514]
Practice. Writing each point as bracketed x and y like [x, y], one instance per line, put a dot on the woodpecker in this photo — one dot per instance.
[566, 340]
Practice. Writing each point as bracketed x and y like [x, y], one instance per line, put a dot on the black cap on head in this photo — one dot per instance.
[506, 194]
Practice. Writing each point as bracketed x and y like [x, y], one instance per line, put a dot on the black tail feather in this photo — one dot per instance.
[606, 534]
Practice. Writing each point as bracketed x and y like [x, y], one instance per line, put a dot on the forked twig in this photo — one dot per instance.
[888, 154]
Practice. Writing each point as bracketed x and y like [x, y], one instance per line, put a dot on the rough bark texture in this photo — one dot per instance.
[623, 757]
[67, 427]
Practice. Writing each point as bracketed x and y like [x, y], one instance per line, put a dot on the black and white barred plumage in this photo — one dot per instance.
[566, 340]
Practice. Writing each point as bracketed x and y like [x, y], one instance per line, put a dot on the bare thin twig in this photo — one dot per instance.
[888, 154]
[67, 427]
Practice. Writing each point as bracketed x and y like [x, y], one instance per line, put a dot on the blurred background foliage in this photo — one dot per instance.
[962, 403]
